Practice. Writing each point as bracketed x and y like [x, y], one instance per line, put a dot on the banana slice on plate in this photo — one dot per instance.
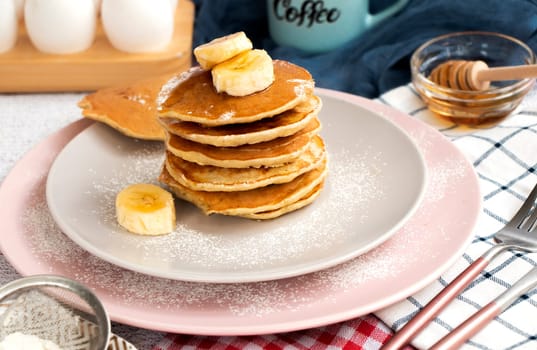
[221, 49]
[244, 74]
[145, 209]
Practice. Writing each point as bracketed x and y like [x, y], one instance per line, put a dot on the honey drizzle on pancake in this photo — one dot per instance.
[192, 97]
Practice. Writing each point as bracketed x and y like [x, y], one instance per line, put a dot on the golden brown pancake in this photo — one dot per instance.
[192, 97]
[241, 203]
[270, 153]
[284, 124]
[210, 178]
[302, 202]
[130, 109]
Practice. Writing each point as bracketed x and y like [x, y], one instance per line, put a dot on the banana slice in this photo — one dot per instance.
[221, 49]
[244, 74]
[145, 209]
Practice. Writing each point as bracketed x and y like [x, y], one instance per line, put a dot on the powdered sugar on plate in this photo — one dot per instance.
[415, 255]
[56, 251]
[354, 181]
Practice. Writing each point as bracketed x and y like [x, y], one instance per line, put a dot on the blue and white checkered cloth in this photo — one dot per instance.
[505, 160]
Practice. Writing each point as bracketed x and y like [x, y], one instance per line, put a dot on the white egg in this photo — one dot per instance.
[8, 25]
[138, 25]
[60, 26]
[19, 7]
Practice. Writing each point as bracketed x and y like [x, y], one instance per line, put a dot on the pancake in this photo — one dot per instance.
[210, 178]
[130, 109]
[270, 153]
[302, 202]
[192, 97]
[232, 135]
[241, 203]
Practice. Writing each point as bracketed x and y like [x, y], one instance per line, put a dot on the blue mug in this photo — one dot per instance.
[322, 25]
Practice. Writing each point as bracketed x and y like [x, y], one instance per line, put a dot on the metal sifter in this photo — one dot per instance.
[54, 310]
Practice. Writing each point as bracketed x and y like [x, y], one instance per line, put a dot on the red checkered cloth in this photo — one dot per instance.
[366, 332]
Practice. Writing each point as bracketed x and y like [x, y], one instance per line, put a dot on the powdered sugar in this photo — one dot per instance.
[126, 287]
[227, 116]
[172, 84]
[231, 244]
[444, 174]
[302, 87]
[21, 341]
[354, 183]
[53, 248]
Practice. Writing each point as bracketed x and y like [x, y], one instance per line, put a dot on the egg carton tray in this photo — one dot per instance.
[25, 69]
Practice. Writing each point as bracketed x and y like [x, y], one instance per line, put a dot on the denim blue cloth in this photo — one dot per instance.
[378, 60]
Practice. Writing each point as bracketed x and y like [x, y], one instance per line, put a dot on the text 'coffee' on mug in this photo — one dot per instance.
[322, 25]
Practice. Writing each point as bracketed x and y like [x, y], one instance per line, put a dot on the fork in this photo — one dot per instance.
[516, 234]
[478, 320]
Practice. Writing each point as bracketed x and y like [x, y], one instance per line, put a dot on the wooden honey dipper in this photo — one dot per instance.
[476, 75]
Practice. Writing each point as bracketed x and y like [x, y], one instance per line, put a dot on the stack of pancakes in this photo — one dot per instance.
[257, 156]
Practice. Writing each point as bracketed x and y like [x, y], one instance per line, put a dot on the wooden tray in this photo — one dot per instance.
[25, 69]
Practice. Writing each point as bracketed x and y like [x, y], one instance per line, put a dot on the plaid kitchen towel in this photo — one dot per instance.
[505, 159]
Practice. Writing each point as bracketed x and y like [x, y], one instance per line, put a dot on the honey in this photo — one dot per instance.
[451, 94]
[194, 98]
[471, 108]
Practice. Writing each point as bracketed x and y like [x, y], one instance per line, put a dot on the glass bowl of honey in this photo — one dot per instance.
[472, 107]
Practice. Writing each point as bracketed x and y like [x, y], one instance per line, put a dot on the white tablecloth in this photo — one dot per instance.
[25, 120]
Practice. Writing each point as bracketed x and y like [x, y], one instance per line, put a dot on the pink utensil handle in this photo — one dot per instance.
[433, 308]
[468, 328]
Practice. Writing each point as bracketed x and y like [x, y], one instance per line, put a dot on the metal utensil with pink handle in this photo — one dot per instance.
[481, 318]
[515, 235]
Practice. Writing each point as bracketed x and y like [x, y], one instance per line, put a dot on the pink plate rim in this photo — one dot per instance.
[330, 305]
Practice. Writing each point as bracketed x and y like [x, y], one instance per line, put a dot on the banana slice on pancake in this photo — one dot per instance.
[221, 49]
[236, 68]
[244, 74]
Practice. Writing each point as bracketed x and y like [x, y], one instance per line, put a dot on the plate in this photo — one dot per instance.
[427, 244]
[362, 204]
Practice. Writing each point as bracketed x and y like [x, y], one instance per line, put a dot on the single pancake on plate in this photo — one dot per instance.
[211, 178]
[130, 109]
[302, 202]
[270, 153]
[192, 97]
[231, 135]
[243, 203]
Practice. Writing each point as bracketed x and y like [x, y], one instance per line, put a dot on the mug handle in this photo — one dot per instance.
[371, 20]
